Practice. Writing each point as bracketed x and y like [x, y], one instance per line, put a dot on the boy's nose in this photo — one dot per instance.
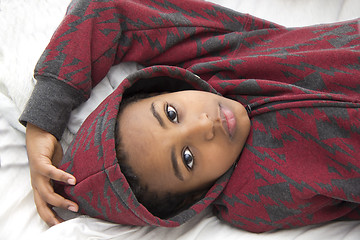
[201, 127]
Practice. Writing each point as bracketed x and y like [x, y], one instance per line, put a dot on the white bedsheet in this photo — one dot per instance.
[26, 27]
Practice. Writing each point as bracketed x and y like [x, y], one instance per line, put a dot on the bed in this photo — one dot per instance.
[26, 27]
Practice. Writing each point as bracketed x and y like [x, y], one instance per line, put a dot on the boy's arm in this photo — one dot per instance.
[95, 35]
[64, 79]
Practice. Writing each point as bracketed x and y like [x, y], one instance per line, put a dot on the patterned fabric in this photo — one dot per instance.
[301, 87]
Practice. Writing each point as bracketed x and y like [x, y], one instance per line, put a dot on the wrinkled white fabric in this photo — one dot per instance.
[12, 139]
[27, 23]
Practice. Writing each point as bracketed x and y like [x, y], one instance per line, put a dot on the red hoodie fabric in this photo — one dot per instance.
[301, 87]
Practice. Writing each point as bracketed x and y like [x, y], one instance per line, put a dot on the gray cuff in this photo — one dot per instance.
[50, 105]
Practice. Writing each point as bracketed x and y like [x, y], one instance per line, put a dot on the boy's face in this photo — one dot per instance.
[183, 141]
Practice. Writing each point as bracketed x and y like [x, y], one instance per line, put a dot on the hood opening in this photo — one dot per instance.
[102, 191]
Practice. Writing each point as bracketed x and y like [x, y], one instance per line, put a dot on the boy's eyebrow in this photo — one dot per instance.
[175, 165]
[157, 115]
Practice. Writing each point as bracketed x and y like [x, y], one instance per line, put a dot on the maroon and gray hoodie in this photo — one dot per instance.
[301, 87]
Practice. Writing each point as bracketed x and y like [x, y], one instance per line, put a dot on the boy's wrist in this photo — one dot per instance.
[50, 105]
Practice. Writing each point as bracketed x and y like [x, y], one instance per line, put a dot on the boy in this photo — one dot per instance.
[298, 165]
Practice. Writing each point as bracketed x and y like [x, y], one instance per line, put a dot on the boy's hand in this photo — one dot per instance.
[43, 149]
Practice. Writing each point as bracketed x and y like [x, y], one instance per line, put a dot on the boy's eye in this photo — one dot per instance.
[171, 114]
[188, 158]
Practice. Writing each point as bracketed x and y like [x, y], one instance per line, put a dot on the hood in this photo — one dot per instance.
[102, 190]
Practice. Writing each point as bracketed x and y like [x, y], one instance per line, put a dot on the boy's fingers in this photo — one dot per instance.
[44, 211]
[50, 171]
[47, 194]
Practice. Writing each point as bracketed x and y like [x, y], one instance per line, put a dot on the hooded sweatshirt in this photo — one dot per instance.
[301, 87]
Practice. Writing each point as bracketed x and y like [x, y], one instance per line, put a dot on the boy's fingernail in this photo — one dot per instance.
[71, 181]
[72, 208]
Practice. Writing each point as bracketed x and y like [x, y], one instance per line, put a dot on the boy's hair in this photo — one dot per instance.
[163, 206]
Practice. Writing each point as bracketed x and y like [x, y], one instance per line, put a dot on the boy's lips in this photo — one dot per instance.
[228, 120]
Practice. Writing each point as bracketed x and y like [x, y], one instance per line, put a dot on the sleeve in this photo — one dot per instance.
[94, 35]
